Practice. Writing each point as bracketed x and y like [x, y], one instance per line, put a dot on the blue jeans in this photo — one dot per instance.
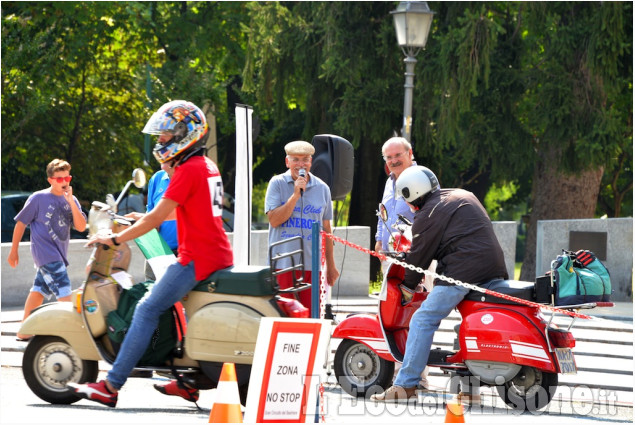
[177, 281]
[423, 324]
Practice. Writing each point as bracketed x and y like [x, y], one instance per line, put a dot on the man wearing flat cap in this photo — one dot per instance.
[294, 201]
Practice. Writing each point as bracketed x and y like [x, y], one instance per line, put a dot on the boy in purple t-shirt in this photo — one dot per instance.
[50, 213]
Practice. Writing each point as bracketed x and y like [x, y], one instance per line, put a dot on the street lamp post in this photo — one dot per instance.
[413, 20]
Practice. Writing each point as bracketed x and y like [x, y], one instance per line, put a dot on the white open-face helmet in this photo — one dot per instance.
[415, 182]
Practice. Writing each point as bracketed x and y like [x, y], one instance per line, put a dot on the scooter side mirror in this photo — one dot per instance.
[110, 200]
[382, 213]
[139, 177]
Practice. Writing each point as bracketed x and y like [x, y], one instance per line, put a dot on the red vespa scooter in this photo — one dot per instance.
[500, 343]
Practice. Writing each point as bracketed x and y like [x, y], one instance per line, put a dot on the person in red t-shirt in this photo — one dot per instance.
[196, 192]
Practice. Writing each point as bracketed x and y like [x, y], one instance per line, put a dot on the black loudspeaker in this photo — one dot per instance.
[333, 162]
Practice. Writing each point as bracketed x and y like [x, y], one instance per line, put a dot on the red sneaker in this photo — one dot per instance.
[173, 388]
[94, 391]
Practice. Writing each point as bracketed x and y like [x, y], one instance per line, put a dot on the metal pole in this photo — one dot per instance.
[406, 129]
[315, 270]
[146, 137]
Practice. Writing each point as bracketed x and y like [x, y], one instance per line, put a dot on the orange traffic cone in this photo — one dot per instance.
[226, 408]
[454, 413]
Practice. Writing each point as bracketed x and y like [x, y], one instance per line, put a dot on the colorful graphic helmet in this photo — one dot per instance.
[415, 183]
[185, 121]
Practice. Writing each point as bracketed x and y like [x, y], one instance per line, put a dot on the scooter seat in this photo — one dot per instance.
[515, 288]
[254, 281]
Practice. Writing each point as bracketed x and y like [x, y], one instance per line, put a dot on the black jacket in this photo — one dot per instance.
[453, 227]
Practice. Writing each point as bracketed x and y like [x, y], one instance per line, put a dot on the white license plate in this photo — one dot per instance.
[566, 361]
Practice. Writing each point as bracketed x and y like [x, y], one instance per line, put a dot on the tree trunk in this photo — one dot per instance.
[556, 196]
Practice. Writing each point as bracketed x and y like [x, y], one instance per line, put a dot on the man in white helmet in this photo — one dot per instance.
[452, 227]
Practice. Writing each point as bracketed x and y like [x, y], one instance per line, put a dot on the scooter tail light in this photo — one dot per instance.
[561, 338]
[292, 308]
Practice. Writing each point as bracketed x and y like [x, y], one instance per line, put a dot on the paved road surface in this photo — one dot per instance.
[601, 392]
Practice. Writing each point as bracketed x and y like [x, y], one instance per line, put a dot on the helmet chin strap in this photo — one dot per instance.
[422, 200]
[187, 156]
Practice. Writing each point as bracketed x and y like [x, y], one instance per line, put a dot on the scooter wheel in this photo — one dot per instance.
[531, 389]
[360, 371]
[49, 363]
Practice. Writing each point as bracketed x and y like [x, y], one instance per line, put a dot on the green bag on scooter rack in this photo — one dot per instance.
[577, 283]
[164, 338]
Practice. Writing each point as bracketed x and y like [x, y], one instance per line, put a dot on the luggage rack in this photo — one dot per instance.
[298, 282]
[583, 306]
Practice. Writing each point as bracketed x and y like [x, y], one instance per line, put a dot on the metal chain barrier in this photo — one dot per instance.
[323, 283]
[451, 280]
[322, 403]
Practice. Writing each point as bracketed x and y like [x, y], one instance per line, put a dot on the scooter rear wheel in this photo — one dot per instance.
[358, 369]
[49, 363]
[531, 389]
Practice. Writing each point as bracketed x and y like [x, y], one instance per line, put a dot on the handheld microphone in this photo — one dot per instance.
[302, 173]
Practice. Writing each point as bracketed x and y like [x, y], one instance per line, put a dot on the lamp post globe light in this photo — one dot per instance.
[413, 20]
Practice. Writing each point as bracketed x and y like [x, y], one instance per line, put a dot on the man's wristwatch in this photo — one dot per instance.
[114, 240]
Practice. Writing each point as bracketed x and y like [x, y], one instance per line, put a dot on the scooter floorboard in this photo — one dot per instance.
[438, 356]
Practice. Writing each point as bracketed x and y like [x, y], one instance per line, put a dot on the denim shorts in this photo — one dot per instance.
[52, 278]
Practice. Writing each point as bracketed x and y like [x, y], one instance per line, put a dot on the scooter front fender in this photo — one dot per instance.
[366, 329]
[61, 319]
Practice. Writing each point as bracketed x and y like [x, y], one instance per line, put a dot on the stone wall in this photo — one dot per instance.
[506, 235]
[353, 265]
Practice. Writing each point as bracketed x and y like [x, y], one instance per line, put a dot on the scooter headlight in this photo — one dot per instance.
[98, 218]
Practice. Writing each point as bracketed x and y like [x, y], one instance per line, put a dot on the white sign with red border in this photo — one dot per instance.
[288, 362]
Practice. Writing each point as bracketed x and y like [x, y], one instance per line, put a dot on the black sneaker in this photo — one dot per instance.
[328, 312]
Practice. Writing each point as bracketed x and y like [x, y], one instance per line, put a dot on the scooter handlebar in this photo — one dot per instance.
[124, 221]
[404, 220]
[394, 254]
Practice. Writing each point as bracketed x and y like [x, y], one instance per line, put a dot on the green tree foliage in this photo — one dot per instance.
[505, 92]
[345, 70]
[69, 90]
[74, 82]
[578, 105]
[470, 130]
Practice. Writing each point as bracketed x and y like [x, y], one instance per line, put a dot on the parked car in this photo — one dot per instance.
[12, 203]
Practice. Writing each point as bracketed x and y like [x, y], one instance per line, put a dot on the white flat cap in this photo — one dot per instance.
[299, 148]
